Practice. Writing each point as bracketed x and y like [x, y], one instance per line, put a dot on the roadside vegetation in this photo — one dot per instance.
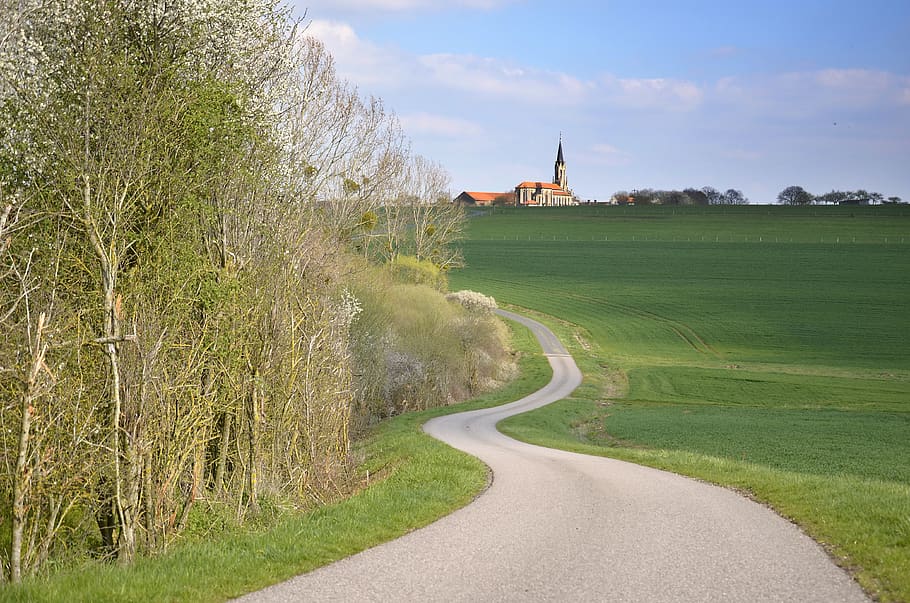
[219, 264]
[756, 347]
[406, 480]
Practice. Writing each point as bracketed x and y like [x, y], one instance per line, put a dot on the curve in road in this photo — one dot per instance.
[558, 526]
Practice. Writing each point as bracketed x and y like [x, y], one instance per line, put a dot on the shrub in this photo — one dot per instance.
[415, 349]
[407, 269]
[473, 301]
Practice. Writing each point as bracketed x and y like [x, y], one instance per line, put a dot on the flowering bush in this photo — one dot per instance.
[473, 301]
[416, 348]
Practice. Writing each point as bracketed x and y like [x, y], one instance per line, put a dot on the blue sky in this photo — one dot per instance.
[756, 96]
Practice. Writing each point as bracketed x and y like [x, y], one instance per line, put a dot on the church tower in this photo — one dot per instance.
[559, 175]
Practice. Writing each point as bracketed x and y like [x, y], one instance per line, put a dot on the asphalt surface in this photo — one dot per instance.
[558, 526]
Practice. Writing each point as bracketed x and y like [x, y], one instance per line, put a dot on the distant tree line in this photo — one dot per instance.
[707, 195]
[797, 195]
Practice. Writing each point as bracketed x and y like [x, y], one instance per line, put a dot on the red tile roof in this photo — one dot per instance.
[477, 196]
[535, 185]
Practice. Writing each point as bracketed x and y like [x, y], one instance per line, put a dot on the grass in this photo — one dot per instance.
[421, 480]
[756, 347]
[863, 523]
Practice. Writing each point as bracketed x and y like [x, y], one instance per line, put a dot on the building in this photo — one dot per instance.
[547, 194]
[484, 199]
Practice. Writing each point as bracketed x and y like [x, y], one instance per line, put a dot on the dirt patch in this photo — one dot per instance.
[584, 343]
[615, 383]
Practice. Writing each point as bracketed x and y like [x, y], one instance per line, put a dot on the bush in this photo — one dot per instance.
[415, 349]
[407, 269]
[473, 301]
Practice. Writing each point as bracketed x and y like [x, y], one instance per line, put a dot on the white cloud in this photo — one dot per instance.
[440, 126]
[382, 67]
[405, 5]
[652, 93]
[863, 87]
[357, 60]
[809, 92]
[606, 154]
[491, 77]
[451, 101]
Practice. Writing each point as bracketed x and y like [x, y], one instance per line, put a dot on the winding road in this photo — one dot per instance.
[559, 526]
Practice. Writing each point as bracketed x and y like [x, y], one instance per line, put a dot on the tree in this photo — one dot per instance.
[182, 187]
[504, 199]
[346, 153]
[714, 196]
[794, 195]
[733, 196]
[148, 141]
[620, 197]
[696, 197]
[832, 198]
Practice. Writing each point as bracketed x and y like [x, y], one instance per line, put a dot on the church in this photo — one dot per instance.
[529, 193]
[547, 194]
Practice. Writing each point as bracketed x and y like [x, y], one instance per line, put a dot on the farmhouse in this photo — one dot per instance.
[547, 194]
[483, 199]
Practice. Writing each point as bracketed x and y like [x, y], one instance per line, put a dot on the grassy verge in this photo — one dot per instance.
[423, 480]
[864, 523]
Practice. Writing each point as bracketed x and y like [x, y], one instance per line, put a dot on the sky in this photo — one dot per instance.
[665, 94]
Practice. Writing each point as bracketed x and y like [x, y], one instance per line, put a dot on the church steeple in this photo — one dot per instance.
[559, 173]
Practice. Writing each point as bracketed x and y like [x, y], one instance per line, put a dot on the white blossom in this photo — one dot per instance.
[473, 301]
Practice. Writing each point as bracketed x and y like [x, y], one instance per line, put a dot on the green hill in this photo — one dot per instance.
[762, 347]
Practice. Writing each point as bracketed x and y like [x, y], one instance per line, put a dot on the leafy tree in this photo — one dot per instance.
[695, 197]
[714, 196]
[181, 189]
[794, 195]
[673, 198]
[733, 196]
[832, 198]
[142, 152]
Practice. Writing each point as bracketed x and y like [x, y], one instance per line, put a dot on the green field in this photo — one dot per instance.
[767, 348]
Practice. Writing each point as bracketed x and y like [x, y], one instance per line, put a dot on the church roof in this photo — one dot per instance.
[559, 158]
[555, 187]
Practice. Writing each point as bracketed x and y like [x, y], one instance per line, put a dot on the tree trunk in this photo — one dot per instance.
[196, 477]
[254, 419]
[22, 475]
[110, 343]
[20, 487]
[150, 500]
[125, 542]
[223, 447]
[54, 505]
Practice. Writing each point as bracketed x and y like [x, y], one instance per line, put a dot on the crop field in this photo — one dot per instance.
[772, 340]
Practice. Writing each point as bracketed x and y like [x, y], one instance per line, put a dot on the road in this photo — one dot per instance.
[558, 526]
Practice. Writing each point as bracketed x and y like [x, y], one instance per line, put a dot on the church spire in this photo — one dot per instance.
[559, 172]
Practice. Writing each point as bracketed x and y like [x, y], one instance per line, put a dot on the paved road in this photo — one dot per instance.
[557, 526]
